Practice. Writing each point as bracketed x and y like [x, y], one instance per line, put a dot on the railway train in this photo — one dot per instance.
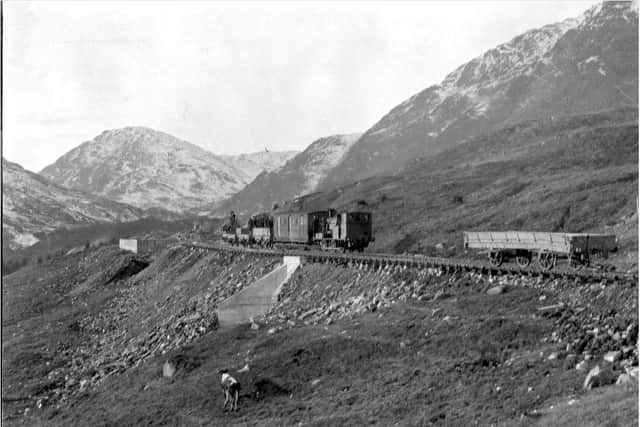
[326, 230]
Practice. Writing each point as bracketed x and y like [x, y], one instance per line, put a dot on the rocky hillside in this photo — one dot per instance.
[300, 175]
[32, 204]
[151, 169]
[579, 65]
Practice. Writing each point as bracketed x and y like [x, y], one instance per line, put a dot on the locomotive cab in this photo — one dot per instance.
[347, 230]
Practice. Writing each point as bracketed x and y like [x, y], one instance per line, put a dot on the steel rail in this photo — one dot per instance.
[380, 260]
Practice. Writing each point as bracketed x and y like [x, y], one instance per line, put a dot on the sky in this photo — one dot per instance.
[234, 77]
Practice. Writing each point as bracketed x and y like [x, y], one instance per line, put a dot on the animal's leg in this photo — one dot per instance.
[235, 401]
[226, 400]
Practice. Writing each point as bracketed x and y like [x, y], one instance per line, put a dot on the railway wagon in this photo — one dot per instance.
[298, 227]
[523, 246]
[327, 229]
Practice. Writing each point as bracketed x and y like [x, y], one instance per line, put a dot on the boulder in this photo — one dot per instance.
[632, 333]
[626, 380]
[612, 356]
[307, 313]
[633, 372]
[440, 295]
[598, 377]
[497, 290]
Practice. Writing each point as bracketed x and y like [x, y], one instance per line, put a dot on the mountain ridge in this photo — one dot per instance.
[299, 175]
[576, 66]
[32, 204]
[153, 169]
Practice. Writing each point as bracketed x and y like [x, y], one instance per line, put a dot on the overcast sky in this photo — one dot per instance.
[234, 77]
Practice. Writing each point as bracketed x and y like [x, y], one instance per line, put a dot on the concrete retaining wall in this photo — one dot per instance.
[145, 245]
[129, 245]
[259, 297]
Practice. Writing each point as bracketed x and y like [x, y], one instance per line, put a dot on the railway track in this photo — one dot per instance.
[377, 260]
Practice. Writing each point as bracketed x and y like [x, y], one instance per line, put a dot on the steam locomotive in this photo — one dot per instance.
[327, 230]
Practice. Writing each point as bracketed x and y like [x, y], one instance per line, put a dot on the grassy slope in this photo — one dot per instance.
[66, 312]
[453, 360]
[448, 372]
[572, 174]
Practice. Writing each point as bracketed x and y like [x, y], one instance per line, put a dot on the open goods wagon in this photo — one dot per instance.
[547, 248]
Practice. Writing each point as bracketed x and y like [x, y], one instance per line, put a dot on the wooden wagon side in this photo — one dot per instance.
[523, 246]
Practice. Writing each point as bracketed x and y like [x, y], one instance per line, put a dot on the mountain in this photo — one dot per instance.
[253, 164]
[572, 67]
[574, 173]
[151, 169]
[300, 175]
[32, 204]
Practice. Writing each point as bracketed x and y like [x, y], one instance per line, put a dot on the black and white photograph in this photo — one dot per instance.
[319, 213]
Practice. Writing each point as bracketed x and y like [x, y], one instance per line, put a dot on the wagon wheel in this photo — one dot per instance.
[523, 261]
[496, 259]
[547, 260]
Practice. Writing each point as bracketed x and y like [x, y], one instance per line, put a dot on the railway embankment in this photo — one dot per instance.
[593, 322]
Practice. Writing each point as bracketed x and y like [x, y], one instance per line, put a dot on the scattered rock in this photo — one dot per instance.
[440, 295]
[497, 290]
[632, 333]
[625, 380]
[581, 366]
[552, 310]
[309, 313]
[598, 377]
[633, 371]
[612, 356]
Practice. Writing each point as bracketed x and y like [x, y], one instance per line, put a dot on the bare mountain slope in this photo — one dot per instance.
[575, 66]
[300, 175]
[32, 204]
[151, 169]
[253, 164]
